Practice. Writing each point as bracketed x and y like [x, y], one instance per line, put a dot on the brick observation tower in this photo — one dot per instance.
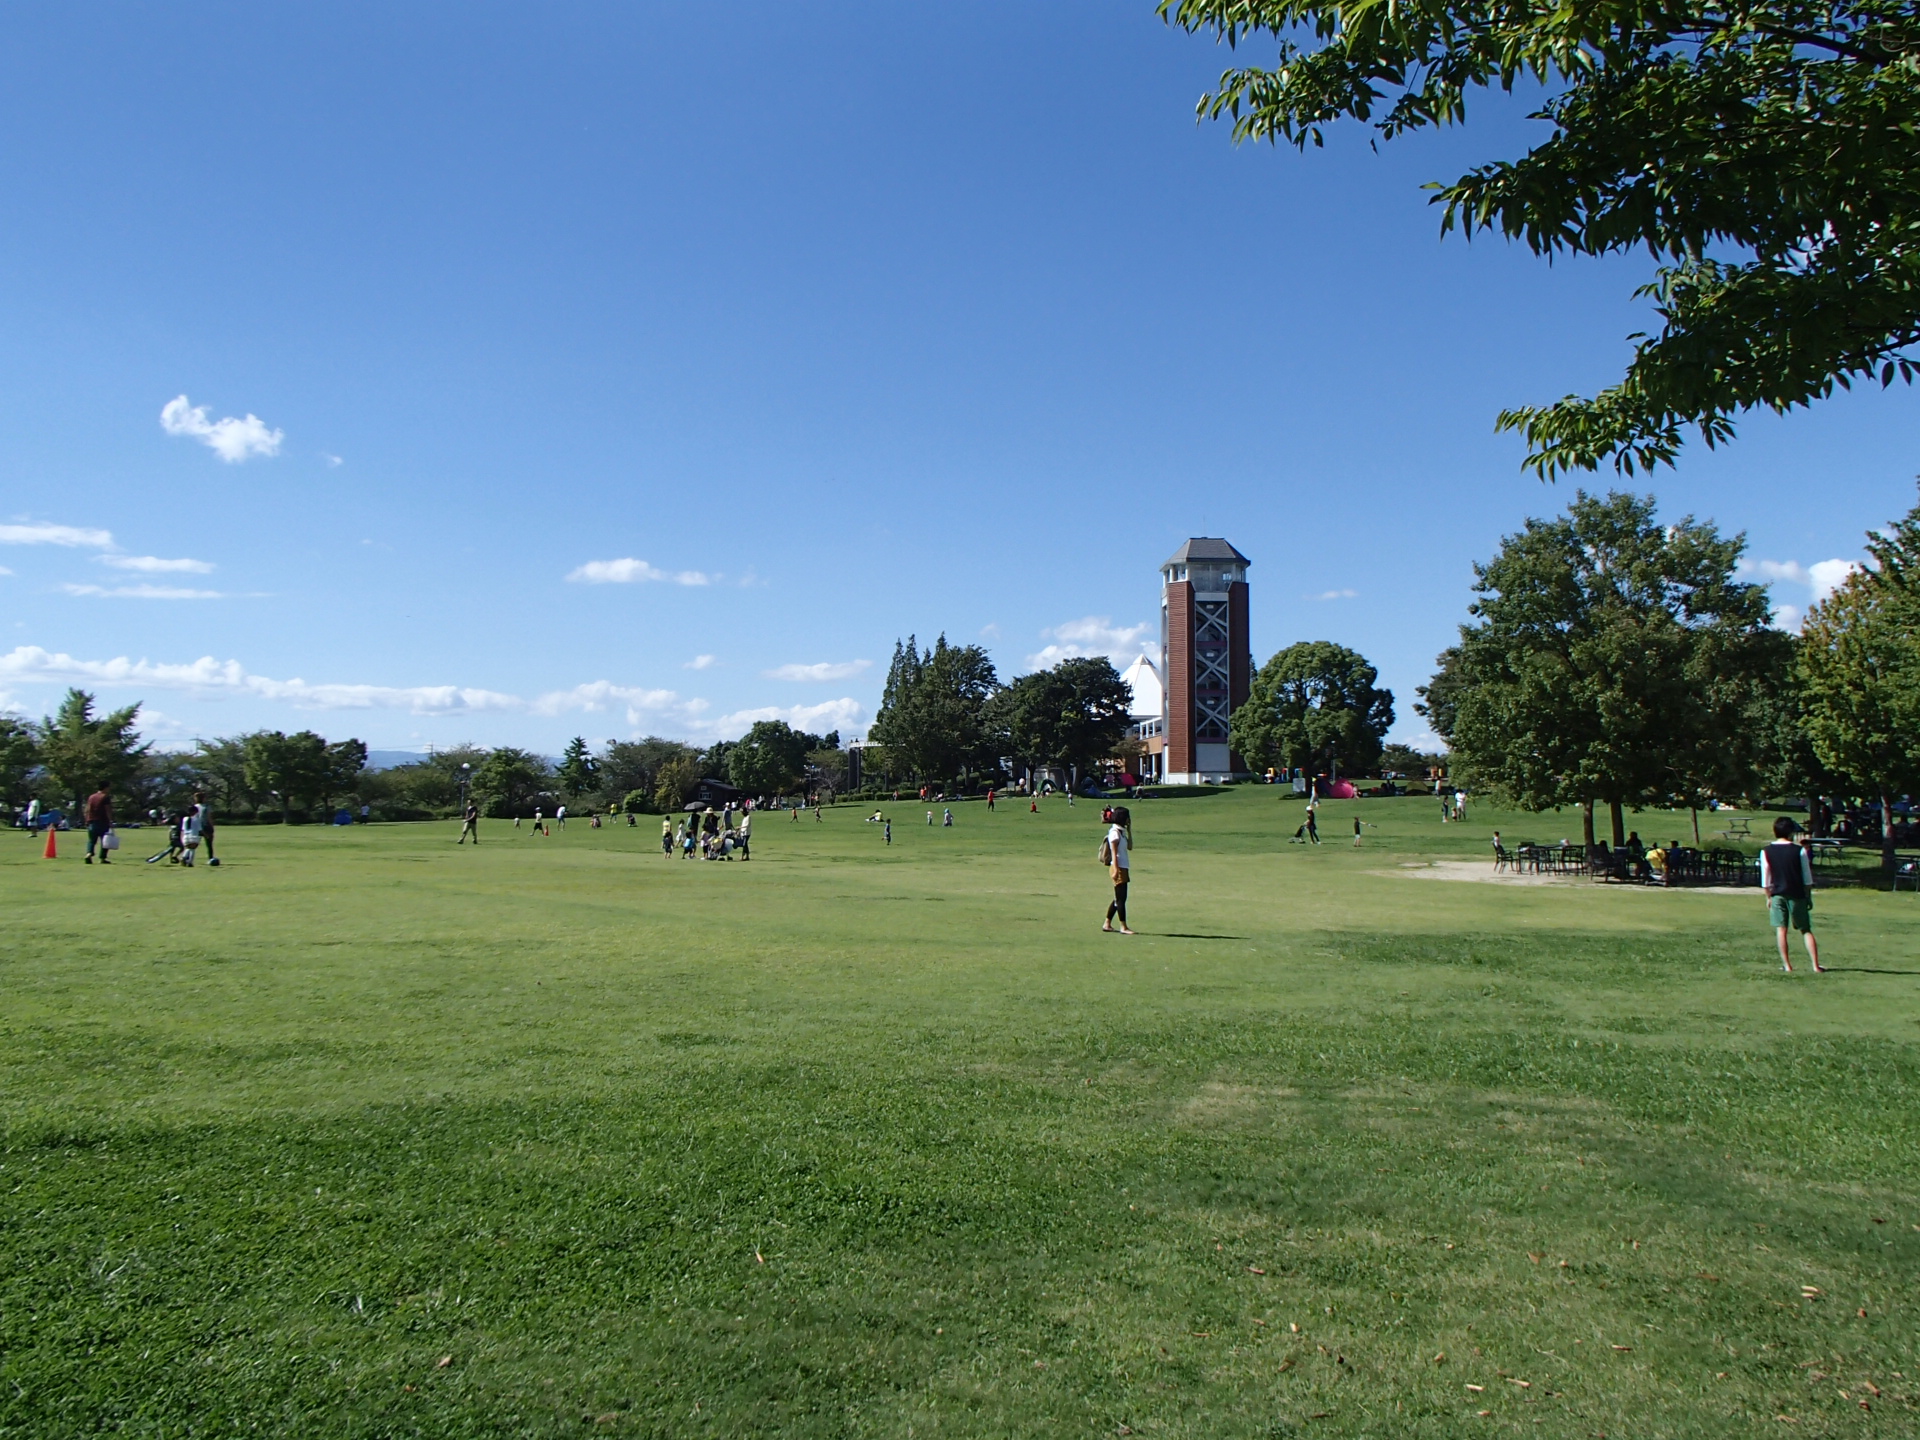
[1205, 658]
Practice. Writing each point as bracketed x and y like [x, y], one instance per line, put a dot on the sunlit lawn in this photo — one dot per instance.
[366, 1134]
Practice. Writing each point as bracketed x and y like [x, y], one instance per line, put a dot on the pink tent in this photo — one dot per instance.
[1337, 790]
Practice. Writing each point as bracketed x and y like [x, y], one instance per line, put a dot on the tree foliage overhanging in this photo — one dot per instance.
[1764, 152]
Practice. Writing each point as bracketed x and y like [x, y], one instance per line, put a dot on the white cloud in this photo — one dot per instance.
[1091, 635]
[1335, 595]
[55, 535]
[143, 592]
[825, 670]
[333, 461]
[629, 571]
[701, 662]
[1827, 576]
[4, 570]
[154, 565]
[232, 440]
[842, 715]
[643, 706]
[207, 676]
[1819, 579]
[990, 631]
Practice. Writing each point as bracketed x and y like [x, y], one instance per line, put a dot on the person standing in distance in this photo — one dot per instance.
[99, 822]
[469, 824]
[203, 824]
[1117, 850]
[745, 835]
[1786, 874]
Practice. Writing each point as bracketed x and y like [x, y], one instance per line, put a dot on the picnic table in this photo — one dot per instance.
[1740, 829]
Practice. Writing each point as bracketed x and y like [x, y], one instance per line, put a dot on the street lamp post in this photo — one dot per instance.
[466, 782]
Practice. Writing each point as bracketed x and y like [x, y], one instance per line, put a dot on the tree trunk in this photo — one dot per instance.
[1696, 827]
[1586, 821]
[1619, 815]
[1886, 835]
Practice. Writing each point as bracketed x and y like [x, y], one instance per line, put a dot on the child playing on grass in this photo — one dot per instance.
[1786, 875]
[1117, 850]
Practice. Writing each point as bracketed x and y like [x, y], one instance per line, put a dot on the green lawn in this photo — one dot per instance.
[363, 1134]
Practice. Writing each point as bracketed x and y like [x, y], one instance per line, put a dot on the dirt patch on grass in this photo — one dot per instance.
[1481, 871]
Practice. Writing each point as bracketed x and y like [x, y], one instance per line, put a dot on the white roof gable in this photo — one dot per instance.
[1149, 695]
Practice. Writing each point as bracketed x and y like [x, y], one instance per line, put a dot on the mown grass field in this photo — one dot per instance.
[367, 1135]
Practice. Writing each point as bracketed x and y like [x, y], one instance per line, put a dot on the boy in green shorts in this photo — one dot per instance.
[1786, 874]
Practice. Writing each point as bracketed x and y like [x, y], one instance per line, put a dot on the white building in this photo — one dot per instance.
[1149, 714]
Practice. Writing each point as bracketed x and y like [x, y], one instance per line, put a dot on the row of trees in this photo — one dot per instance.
[271, 774]
[944, 715]
[78, 749]
[1614, 660]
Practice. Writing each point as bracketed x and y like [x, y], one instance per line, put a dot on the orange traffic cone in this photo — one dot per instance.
[53, 852]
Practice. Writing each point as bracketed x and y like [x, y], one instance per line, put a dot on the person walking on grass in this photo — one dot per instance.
[666, 836]
[887, 825]
[1786, 875]
[203, 823]
[1356, 832]
[561, 816]
[989, 797]
[99, 823]
[744, 836]
[1116, 851]
[469, 824]
[1313, 824]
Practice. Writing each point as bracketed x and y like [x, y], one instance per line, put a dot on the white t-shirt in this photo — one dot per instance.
[1117, 838]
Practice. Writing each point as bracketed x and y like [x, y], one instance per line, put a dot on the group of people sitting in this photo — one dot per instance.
[710, 836]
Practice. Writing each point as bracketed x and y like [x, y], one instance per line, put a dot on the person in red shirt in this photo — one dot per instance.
[99, 822]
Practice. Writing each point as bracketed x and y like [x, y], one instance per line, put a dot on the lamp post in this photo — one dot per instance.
[466, 782]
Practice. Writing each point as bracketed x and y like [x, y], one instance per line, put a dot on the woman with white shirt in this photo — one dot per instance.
[1117, 851]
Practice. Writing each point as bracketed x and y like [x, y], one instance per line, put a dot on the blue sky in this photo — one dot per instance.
[644, 369]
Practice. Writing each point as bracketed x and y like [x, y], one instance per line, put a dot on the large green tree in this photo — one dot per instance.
[770, 758]
[291, 768]
[81, 749]
[1612, 659]
[511, 781]
[19, 758]
[1313, 704]
[1071, 716]
[933, 710]
[1860, 656]
[1762, 151]
[630, 765]
[578, 772]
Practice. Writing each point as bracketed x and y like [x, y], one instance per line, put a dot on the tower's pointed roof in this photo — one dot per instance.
[1202, 547]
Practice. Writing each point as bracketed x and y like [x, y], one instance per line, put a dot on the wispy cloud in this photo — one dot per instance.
[4, 570]
[1335, 595]
[333, 461]
[628, 571]
[208, 676]
[232, 440]
[642, 705]
[843, 715]
[154, 565]
[143, 592]
[701, 662]
[1819, 579]
[55, 535]
[1090, 635]
[825, 670]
